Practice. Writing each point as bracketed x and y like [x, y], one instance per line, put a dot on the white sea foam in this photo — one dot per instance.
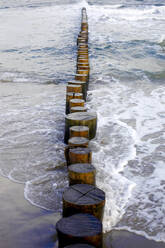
[129, 13]
[112, 148]
[46, 191]
[129, 155]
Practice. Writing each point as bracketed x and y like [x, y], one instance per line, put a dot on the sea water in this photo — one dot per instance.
[127, 90]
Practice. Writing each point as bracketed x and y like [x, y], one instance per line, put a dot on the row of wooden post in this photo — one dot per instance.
[83, 202]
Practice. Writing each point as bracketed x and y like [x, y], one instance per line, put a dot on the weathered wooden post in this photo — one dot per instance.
[82, 45]
[82, 77]
[74, 88]
[83, 72]
[78, 109]
[80, 246]
[82, 52]
[81, 174]
[82, 64]
[83, 198]
[81, 40]
[83, 85]
[82, 37]
[74, 142]
[81, 119]
[83, 60]
[76, 103]
[84, 26]
[79, 131]
[80, 67]
[80, 155]
[79, 228]
[82, 56]
[72, 95]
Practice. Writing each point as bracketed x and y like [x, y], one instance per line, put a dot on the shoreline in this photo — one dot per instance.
[23, 224]
[126, 239]
[28, 226]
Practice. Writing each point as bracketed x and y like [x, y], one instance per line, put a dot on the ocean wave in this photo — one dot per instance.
[131, 119]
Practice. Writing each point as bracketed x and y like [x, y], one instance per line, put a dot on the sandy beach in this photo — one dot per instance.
[125, 239]
[22, 224]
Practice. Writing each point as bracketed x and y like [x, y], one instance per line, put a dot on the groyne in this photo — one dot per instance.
[83, 202]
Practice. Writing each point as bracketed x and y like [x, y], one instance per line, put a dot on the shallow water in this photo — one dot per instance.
[127, 55]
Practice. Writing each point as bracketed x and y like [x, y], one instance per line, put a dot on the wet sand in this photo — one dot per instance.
[22, 224]
[27, 226]
[125, 239]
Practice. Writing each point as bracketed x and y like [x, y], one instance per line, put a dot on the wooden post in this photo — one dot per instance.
[76, 103]
[74, 88]
[82, 64]
[81, 119]
[81, 77]
[79, 228]
[69, 96]
[75, 142]
[83, 36]
[82, 45]
[80, 246]
[82, 56]
[79, 67]
[79, 131]
[84, 32]
[83, 61]
[83, 198]
[82, 52]
[81, 40]
[81, 174]
[84, 27]
[83, 72]
[83, 85]
[78, 109]
[80, 155]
